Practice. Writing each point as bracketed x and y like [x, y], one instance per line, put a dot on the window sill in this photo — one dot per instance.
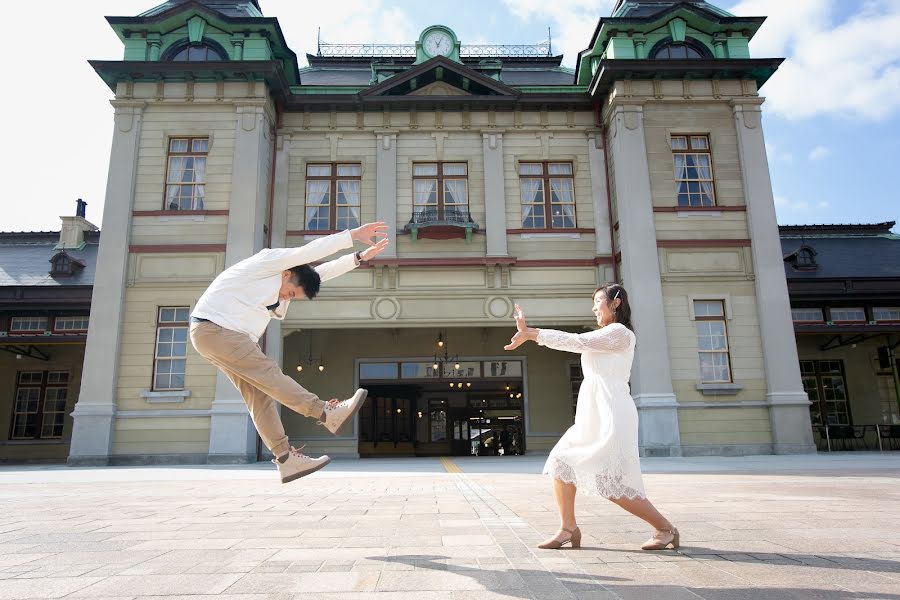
[165, 397]
[719, 389]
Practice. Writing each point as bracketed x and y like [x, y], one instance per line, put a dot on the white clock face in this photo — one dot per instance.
[437, 43]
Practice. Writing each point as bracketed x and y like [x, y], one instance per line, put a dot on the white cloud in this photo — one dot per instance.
[572, 21]
[819, 152]
[775, 155]
[62, 142]
[341, 22]
[801, 211]
[849, 69]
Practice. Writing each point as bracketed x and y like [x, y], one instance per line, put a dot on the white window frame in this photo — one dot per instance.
[174, 325]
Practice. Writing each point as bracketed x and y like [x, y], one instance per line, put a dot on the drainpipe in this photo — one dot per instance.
[612, 232]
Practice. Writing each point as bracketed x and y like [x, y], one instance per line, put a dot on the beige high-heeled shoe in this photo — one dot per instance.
[659, 543]
[555, 544]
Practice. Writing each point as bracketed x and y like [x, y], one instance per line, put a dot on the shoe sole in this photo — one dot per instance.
[300, 474]
[353, 410]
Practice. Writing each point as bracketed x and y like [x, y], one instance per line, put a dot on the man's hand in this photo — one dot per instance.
[369, 233]
[373, 251]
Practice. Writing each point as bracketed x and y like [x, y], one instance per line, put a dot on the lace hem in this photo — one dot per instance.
[607, 485]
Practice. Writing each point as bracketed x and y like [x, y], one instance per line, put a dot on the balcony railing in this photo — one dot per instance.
[446, 223]
[409, 50]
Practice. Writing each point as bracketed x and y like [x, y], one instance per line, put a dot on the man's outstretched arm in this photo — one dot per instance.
[275, 260]
[346, 263]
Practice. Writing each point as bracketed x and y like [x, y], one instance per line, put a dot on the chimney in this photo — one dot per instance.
[71, 236]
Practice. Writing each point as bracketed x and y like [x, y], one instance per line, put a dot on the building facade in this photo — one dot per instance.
[46, 278]
[844, 282]
[504, 176]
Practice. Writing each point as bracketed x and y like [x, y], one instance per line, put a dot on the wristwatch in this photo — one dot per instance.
[358, 256]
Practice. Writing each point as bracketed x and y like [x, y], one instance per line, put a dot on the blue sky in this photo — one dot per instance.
[832, 113]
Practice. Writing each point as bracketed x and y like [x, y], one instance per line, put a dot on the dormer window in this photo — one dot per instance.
[200, 52]
[806, 259]
[63, 265]
[803, 259]
[669, 50]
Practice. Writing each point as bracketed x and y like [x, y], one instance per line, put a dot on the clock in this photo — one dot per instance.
[438, 43]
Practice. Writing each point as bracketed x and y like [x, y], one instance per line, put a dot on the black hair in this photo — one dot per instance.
[622, 313]
[307, 278]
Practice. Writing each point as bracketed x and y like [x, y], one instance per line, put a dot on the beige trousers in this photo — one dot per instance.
[259, 380]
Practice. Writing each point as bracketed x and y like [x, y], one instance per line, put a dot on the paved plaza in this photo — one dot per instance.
[813, 527]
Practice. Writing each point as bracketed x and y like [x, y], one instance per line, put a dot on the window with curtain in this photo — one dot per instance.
[693, 170]
[186, 173]
[333, 196]
[712, 341]
[440, 192]
[547, 195]
[170, 355]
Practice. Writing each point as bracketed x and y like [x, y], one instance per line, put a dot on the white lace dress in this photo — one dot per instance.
[599, 453]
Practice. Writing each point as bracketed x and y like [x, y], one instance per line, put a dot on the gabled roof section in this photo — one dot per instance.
[440, 69]
[24, 256]
[225, 20]
[231, 8]
[666, 11]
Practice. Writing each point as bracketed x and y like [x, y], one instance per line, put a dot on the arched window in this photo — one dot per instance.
[200, 52]
[689, 49]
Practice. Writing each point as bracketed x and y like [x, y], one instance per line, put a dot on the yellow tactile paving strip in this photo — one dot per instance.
[449, 465]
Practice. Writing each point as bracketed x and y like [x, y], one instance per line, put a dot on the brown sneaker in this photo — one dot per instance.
[297, 464]
[340, 412]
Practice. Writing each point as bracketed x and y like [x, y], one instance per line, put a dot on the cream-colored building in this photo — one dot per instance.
[504, 177]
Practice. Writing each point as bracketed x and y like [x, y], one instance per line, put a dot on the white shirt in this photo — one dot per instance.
[238, 298]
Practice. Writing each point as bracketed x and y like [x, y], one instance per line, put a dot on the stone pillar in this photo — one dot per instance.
[788, 403]
[94, 414]
[494, 194]
[599, 192]
[232, 436]
[386, 185]
[651, 378]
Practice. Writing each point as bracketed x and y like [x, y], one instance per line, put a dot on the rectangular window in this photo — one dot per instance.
[333, 196]
[824, 383]
[807, 315]
[186, 173]
[76, 323]
[547, 194]
[28, 325]
[884, 314]
[712, 341]
[171, 348]
[847, 315]
[40, 406]
[441, 192]
[693, 170]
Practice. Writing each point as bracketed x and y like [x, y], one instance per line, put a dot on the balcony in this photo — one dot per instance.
[441, 224]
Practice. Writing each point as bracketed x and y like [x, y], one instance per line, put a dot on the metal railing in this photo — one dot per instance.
[326, 50]
[854, 433]
[433, 216]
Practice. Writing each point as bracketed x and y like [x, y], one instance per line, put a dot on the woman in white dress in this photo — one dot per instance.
[599, 453]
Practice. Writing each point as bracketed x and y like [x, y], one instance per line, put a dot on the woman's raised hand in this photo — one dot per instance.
[523, 331]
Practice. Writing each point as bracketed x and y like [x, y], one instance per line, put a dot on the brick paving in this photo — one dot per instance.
[819, 527]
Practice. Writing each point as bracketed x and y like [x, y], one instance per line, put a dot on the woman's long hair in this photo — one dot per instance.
[622, 313]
